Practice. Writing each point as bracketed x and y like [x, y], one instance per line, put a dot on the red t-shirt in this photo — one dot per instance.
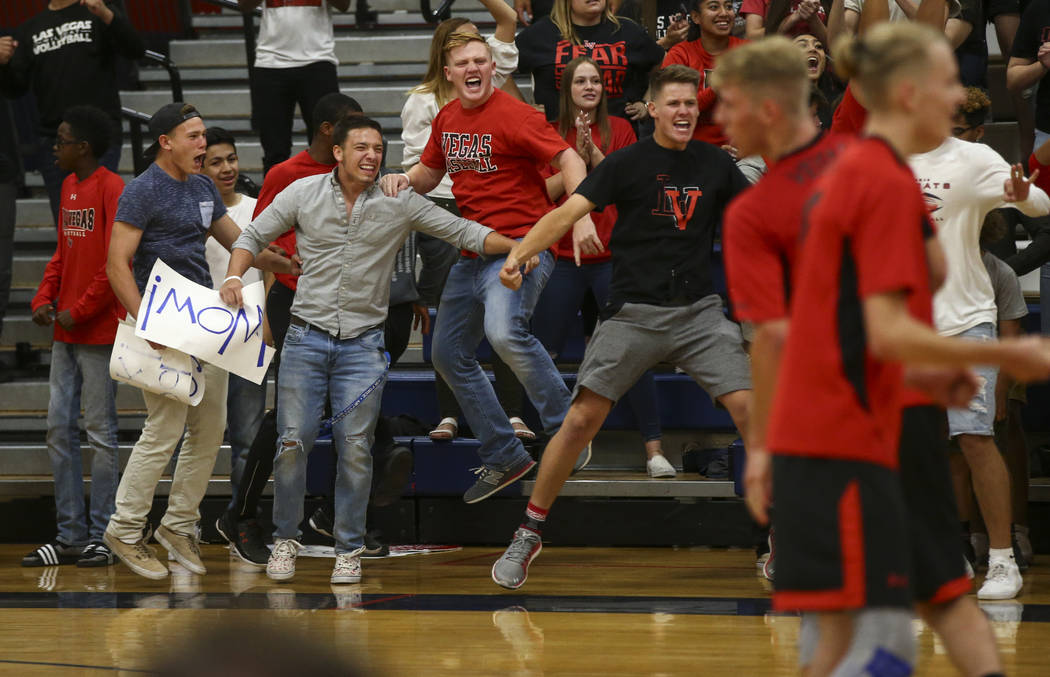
[760, 234]
[850, 116]
[622, 135]
[834, 399]
[494, 154]
[1043, 180]
[277, 179]
[693, 54]
[75, 278]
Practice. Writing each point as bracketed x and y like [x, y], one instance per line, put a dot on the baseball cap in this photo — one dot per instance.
[167, 118]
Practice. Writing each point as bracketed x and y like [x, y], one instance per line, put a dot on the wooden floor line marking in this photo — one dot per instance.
[77, 666]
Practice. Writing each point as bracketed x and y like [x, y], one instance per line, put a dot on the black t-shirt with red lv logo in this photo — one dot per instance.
[669, 205]
[625, 55]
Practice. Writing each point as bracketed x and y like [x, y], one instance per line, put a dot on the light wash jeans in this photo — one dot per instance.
[473, 306]
[314, 364]
[245, 407]
[166, 419]
[80, 374]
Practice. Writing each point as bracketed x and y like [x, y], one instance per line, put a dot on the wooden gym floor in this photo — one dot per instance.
[583, 611]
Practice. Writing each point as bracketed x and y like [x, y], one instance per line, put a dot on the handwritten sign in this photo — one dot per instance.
[181, 314]
[167, 372]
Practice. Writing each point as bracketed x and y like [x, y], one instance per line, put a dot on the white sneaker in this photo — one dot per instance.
[1003, 581]
[659, 466]
[347, 568]
[281, 566]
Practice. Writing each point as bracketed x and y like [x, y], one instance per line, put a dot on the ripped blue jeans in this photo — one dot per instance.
[313, 365]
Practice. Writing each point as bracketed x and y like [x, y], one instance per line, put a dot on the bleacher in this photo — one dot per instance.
[377, 68]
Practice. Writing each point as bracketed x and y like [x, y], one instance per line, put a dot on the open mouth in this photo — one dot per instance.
[368, 168]
[682, 126]
[723, 25]
[473, 83]
[198, 162]
[813, 63]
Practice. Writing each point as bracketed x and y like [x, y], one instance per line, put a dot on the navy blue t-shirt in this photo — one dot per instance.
[174, 217]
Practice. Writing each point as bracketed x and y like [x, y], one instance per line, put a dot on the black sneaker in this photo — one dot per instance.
[365, 16]
[52, 554]
[323, 522]
[96, 554]
[245, 539]
[1022, 561]
[374, 548]
[392, 473]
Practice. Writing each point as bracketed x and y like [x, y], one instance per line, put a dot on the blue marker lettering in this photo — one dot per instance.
[149, 305]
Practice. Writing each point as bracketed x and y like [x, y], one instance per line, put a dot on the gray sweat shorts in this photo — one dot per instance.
[697, 338]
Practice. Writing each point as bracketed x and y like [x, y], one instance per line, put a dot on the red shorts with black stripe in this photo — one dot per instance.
[841, 536]
[938, 572]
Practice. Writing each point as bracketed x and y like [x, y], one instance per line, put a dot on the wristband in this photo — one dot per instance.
[233, 277]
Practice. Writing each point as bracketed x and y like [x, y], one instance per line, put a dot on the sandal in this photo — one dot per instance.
[521, 431]
[445, 431]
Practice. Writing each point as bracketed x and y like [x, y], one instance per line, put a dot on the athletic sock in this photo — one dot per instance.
[1004, 554]
[534, 518]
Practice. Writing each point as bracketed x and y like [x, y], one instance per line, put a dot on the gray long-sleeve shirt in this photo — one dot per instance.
[348, 259]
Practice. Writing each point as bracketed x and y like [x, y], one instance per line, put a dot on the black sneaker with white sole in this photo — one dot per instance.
[374, 548]
[245, 538]
[323, 522]
[96, 554]
[52, 554]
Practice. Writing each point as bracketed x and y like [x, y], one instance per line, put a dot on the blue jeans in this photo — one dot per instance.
[245, 406]
[314, 364]
[473, 306]
[80, 373]
[557, 311]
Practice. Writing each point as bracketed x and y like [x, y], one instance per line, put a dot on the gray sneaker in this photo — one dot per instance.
[511, 570]
[183, 548]
[138, 556]
[491, 480]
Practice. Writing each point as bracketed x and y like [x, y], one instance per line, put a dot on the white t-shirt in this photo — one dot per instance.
[896, 13]
[421, 109]
[217, 256]
[962, 182]
[295, 34]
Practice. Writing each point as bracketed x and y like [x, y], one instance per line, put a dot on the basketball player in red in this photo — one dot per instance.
[762, 105]
[860, 308]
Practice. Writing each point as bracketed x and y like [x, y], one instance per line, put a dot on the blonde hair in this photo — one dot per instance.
[871, 62]
[561, 16]
[773, 65]
[567, 108]
[434, 81]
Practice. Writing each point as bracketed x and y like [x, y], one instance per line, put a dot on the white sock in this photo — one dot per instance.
[1006, 554]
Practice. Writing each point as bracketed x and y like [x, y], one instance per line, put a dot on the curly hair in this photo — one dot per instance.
[975, 108]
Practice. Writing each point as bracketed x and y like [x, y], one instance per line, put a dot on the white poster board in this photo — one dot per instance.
[181, 314]
[167, 372]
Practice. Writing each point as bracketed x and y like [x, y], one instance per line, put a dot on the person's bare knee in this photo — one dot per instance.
[738, 404]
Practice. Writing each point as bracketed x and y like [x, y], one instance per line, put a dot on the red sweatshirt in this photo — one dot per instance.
[277, 179]
[75, 278]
